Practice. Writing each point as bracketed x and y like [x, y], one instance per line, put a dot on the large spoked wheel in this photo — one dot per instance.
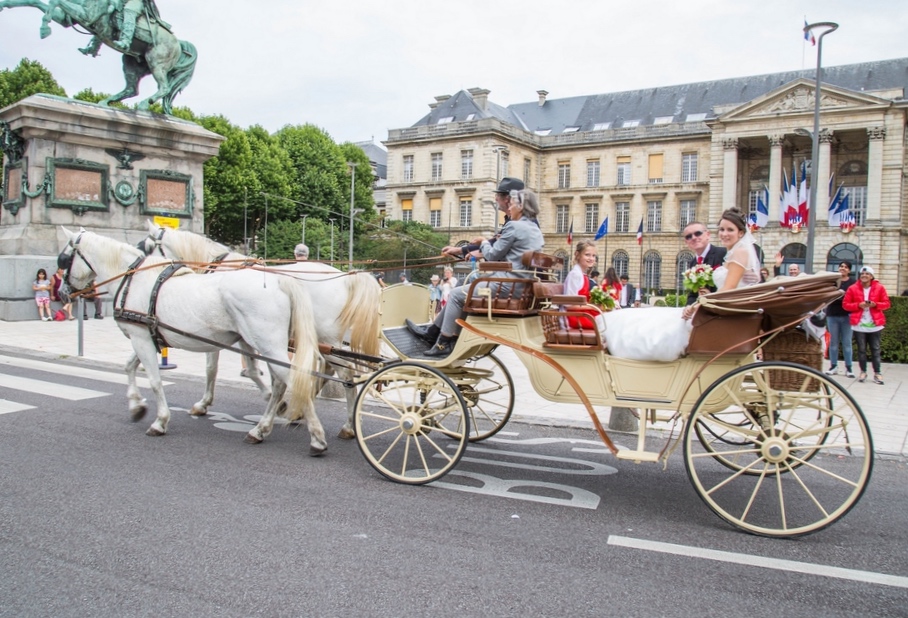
[411, 423]
[486, 386]
[790, 454]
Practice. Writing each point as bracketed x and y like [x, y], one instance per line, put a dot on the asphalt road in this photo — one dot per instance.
[98, 519]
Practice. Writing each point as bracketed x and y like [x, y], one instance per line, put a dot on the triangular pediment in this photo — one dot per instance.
[797, 97]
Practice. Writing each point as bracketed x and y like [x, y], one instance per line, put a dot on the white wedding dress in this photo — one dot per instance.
[661, 333]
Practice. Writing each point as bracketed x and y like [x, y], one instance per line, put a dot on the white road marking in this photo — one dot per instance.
[761, 561]
[48, 389]
[7, 406]
[72, 370]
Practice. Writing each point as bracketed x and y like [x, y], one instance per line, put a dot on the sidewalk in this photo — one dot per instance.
[103, 342]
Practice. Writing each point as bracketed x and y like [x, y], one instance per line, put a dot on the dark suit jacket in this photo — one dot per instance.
[631, 295]
[714, 257]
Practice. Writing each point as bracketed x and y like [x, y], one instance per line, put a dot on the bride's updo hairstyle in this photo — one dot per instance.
[735, 217]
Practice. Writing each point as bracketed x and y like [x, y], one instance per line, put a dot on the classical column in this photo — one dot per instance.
[822, 175]
[875, 135]
[775, 176]
[729, 173]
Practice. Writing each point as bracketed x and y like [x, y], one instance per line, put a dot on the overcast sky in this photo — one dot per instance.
[358, 68]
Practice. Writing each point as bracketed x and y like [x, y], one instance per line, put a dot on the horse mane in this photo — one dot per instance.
[191, 247]
[111, 253]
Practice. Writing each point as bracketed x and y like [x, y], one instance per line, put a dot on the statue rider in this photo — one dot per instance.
[123, 15]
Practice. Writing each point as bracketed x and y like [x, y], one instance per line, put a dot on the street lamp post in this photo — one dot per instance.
[353, 212]
[303, 217]
[332, 239]
[827, 27]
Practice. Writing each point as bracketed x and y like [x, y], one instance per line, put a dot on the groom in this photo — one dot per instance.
[696, 236]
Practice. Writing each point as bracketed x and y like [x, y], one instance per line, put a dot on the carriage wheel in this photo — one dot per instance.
[795, 453]
[727, 434]
[488, 390]
[411, 423]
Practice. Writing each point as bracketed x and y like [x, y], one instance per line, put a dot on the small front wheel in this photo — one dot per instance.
[777, 449]
[411, 423]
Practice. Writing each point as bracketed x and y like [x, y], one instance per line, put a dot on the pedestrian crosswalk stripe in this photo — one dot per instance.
[48, 389]
[75, 371]
[7, 406]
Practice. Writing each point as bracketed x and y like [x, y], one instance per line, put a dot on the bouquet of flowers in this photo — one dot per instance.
[601, 299]
[697, 277]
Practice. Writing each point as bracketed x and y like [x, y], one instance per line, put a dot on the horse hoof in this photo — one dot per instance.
[198, 411]
[138, 413]
[317, 451]
[251, 439]
[346, 433]
[154, 432]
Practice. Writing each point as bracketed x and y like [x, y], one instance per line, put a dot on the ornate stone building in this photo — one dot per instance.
[665, 157]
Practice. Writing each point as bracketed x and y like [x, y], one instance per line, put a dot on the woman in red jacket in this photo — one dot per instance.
[866, 301]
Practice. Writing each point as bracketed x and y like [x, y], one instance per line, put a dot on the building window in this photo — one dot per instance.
[652, 271]
[685, 260]
[435, 211]
[857, 203]
[592, 218]
[654, 216]
[407, 215]
[466, 164]
[621, 263]
[592, 173]
[504, 163]
[406, 210]
[842, 252]
[688, 212]
[526, 171]
[624, 170]
[561, 219]
[408, 168]
[689, 167]
[752, 197]
[622, 217]
[466, 213]
[436, 167]
[564, 175]
[655, 169]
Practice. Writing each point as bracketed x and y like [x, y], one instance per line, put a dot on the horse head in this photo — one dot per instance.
[79, 273]
[152, 242]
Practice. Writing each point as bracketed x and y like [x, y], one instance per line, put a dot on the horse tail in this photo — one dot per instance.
[301, 389]
[361, 314]
[180, 75]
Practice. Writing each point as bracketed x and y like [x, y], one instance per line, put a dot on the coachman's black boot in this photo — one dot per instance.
[442, 347]
[427, 333]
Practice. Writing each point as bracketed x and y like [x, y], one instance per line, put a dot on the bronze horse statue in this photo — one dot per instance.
[133, 28]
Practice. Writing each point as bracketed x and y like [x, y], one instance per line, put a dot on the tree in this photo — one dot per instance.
[26, 79]
[404, 245]
[278, 239]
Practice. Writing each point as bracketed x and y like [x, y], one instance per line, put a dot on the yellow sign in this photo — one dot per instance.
[171, 222]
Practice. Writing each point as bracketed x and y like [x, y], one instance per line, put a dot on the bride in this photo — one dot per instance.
[662, 334]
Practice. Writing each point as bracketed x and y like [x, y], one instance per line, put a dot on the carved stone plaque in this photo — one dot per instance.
[78, 185]
[12, 187]
[167, 195]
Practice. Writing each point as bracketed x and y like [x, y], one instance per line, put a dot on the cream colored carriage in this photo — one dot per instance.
[772, 446]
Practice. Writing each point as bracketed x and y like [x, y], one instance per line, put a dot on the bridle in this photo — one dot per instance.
[157, 238]
[65, 260]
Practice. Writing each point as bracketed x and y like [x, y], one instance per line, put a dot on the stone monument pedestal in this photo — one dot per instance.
[75, 164]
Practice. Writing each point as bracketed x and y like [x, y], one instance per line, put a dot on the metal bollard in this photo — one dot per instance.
[165, 363]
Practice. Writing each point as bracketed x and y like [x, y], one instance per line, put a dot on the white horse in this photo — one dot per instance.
[261, 310]
[345, 304]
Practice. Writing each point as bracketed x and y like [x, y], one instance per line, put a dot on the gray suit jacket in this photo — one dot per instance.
[517, 237]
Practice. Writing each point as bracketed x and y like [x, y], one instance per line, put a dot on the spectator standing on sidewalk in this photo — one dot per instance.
[866, 301]
[838, 323]
[41, 286]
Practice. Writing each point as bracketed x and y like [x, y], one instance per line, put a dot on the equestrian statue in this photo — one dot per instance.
[135, 29]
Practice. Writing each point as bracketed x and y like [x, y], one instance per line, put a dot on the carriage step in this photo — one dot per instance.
[637, 456]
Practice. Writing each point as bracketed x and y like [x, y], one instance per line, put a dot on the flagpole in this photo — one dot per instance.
[815, 147]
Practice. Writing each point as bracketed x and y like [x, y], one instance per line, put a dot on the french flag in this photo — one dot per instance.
[808, 34]
[571, 234]
[640, 233]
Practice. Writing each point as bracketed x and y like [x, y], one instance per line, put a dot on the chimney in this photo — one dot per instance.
[439, 100]
[542, 95]
[480, 97]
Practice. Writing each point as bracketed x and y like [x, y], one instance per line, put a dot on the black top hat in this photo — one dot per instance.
[508, 184]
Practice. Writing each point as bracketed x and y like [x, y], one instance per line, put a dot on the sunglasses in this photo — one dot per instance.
[698, 234]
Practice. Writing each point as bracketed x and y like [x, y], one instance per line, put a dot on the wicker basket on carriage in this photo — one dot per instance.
[794, 346]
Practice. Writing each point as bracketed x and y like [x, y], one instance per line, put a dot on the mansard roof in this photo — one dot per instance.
[666, 104]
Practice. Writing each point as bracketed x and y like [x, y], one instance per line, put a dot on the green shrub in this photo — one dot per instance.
[894, 341]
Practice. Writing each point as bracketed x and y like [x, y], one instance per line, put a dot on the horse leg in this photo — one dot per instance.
[200, 408]
[133, 71]
[255, 374]
[159, 71]
[347, 432]
[261, 431]
[148, 355]
[137, 403]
